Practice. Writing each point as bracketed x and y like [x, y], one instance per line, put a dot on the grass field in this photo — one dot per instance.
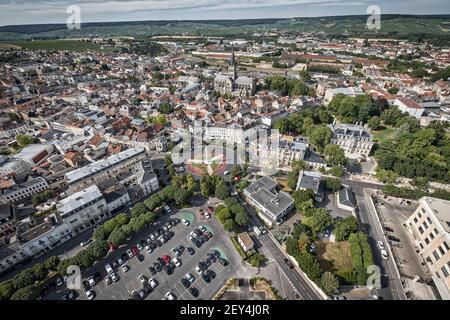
[60, 44]
[334, 256]
[383, 135]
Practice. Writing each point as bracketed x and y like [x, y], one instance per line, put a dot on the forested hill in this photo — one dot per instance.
[397, 26]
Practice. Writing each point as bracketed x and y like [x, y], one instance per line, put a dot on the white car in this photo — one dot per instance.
[185, 222]
[120, 261]
[190, 237]
[108, 280]
[125, 268]
[189, 277]
[91, 281]
[130, 253]
[176, 262]
[380, 245]
[203, 228]
[139, 247]
[114, 277]
[384, 254]
[152, 237]
[85, 242]
[170, 296]
[193, 235]
[90, 294]
[153, 283]
[207, 216]
[149, 249]
[142, 279]
[198, 270]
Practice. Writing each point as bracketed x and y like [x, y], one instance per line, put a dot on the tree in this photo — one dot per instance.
[329, 283]
[98, 249]
[304, 242]
[182, 197]
[6, 290]
[222, 192]
[191, 183]
[24, 279]
[242, 184]
[333, 184]
[39, 271]
[301, 197]
[165, 108]
[117, 237]
[256, 259]
[292, 178]
[138, 209]
[385, 176]
[51, 263]
[27, 293]
[242, 218]
[374, 122]
[25, 140]
[153, 202]
[334, 155]
[229, 225]
[167, 194]
[336, 171]
[223, 214]
[344, 228]
[319, 220]
[320, 137]
[235, 171]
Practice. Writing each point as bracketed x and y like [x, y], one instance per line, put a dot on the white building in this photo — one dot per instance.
[35, 154]
[17, 168]
[350, 91]
[355, 140]
[83, 209]
[117, 199]
[410, 106]
[24, 190]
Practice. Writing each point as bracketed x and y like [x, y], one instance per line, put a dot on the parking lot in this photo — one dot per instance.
[129, 283]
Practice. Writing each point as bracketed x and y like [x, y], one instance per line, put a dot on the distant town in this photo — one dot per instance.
[355, 206]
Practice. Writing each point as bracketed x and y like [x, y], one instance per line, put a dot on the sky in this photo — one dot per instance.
[13, 12]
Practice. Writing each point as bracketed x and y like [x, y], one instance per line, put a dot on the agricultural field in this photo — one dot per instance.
[60, 44]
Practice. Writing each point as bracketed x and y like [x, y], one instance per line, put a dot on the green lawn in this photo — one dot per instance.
[334, 256]
[60, 44]
[383, 135]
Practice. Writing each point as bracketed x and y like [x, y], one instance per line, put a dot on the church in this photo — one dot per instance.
[232, 84]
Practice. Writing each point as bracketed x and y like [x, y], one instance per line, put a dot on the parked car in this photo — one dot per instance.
[84, 243]
[167, 209]
[190, 251]
[140, 257]
[125, 268]
[388, 229]
[108, 280]
[91, 281]
[211, 274]
[384, 254]
[194, 292]
[177, 262]
[189, 277]
[170, 296]
[205, 278]
[198, 270]
[392, 238]
[153, 283]
[142, 279]
[176, 252]
[90, 294]
[166, 258]
[185, 222]
[380, 245]
[207, 215]
[152, 270]
[114, 277]
[135, 250]
[223, 262]
[139, 247]
[185, 283]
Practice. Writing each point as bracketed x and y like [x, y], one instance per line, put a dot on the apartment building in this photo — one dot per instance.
[24, 190]
[430, 228]
[115, 166]
[83, 209]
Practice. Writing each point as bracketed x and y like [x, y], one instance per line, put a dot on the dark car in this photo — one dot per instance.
[223, 262]
[211, 274]
[190, 251]
[124, 257]
[73, 295]
[153, 245]
[197, 243]
[180, 248]
[207, 261]
[152, 270]
[147, 289]
[177, 221]
[161, 261]
[157, 266]
[97, 277]
[140, 257]
[198, 232]
[289, 263]
[209, 234]
[86, 285]
[202, 265]
[388, 229]
[206, 278]
[171, 264]
[168, 269]
[159, 243]
[194, 292]
[185, 282]
[143, 242]
[392, 238]
[215, 253]
[211, 257]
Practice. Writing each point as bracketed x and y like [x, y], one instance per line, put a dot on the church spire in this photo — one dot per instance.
[232, 67]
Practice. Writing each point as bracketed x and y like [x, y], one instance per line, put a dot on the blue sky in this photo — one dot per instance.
[54, 11]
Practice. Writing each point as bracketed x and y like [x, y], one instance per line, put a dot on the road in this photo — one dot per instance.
[392, 288]
[293, 276]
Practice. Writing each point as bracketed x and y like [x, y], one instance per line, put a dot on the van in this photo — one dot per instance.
[257, 231]
[108, 268]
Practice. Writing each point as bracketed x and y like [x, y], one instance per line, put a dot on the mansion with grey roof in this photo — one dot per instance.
[355, 140]
[232, 84]
[272, 205]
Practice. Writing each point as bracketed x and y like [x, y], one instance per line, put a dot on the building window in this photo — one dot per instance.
[436, 255]
[446, 246]
[421, 230]
[415, 220]
[441, 251]
[419, 215]
[427, 241]
[429, 220]
[431, 236]
[435, 232]
[444, 271]
[425, 225]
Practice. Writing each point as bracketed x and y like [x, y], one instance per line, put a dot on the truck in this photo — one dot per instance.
[256, 230]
